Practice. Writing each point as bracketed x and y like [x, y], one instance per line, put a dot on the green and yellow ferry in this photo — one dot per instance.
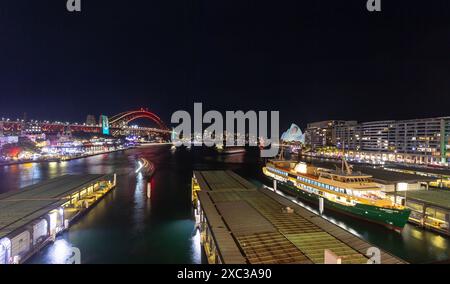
[343, 191]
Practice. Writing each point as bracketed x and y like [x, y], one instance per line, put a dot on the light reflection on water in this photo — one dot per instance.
[126, 226]
[196, 247]
[141, 203]
[59, 251]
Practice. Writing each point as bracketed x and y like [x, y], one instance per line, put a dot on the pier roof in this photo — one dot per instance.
[255, 226]
[437, 197]
[19, 207]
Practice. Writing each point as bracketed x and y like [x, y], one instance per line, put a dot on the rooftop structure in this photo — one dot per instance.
[32, 217]
[21, 207]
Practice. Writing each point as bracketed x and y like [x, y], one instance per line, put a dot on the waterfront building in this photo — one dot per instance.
[420, 141]
[90, 120]
[8, 140]
[320, 134]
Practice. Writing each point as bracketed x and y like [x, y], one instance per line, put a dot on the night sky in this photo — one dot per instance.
[311, 60]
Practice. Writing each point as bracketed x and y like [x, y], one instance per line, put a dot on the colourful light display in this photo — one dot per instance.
[105, 125]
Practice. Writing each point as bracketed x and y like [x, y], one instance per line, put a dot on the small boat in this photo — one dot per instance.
[230, 149]
[145, 167]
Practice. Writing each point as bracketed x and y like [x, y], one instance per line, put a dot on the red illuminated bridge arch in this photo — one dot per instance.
[124, 118]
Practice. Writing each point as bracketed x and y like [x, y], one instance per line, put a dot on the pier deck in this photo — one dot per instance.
[240, 223]
[32, 216]
[429, 208]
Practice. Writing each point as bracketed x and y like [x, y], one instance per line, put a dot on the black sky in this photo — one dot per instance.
[311, 60]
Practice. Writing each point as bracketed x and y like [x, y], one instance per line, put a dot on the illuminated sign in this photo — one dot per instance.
[105, 125]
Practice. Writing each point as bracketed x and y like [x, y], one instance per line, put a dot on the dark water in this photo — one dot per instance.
[126, 227]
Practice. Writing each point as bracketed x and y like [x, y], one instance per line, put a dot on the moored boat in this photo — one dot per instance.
[343, 191]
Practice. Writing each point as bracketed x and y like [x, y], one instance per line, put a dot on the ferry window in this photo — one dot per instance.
[431, 211]
[440, 215]
[414, 206]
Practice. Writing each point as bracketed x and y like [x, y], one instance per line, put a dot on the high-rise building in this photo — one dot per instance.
[322, 133]
[417, 140]
[347, 136]
[90, 120]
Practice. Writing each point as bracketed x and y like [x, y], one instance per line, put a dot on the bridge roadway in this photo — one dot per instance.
[118, 124]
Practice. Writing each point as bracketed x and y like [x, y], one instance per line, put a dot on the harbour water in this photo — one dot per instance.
[127, 227]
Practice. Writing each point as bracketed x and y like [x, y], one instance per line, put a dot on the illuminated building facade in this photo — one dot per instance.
[321, 134]
[421, 141]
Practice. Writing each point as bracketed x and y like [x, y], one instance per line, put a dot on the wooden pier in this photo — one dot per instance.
[240, 223]
[31, 217]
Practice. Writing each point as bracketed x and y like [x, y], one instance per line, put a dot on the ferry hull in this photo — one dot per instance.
[390, 218]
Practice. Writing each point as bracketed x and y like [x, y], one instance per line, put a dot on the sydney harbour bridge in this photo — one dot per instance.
[116, 125]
